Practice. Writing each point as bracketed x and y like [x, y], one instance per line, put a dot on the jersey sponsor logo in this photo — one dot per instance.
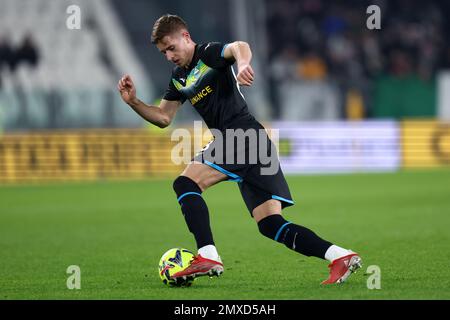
[201, 94]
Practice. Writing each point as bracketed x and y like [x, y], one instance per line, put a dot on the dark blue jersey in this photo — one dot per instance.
[210, 84]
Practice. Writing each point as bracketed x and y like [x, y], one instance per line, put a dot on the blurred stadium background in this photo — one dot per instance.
[345, 98]
[383, 94]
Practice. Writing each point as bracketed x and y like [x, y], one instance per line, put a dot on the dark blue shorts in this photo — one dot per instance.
[258, 179]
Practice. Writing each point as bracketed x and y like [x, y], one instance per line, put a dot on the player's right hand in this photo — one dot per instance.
[127, 89]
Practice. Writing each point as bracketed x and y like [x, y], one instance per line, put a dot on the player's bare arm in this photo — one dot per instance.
[241, 52]
[160, 116]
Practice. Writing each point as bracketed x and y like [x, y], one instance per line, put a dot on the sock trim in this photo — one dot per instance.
[186, 194]
[281, 229]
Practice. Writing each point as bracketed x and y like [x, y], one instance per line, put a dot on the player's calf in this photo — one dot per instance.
[194, 209]
[293, 236]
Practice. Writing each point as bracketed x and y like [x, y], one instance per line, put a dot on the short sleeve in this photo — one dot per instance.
[172, 94]
[212, 54]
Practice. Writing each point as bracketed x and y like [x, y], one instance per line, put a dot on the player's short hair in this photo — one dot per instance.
[166, 25]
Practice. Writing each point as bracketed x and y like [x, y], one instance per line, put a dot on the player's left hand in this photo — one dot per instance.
[245, 75]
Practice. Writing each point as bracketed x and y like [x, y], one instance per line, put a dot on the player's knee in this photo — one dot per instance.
[183, 184]
[271, 226]
[202, 185]
[268, 208]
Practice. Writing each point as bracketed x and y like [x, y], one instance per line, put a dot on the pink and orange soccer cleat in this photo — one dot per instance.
[200, 267]
[342, 268]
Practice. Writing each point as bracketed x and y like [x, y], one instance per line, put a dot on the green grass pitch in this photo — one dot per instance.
[117, 231]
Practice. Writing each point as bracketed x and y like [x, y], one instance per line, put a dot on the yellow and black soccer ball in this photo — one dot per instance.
[173, 261]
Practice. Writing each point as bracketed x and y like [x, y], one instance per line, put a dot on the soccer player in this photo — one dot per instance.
[204, 75]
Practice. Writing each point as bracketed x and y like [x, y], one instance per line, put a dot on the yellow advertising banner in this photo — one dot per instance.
[425, 144]
[87, 155]
[140, 153]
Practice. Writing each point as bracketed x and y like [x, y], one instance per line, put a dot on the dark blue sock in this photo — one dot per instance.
[293, 236]
[195, 210]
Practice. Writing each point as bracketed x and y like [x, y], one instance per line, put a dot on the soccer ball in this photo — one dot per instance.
[173, 261]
